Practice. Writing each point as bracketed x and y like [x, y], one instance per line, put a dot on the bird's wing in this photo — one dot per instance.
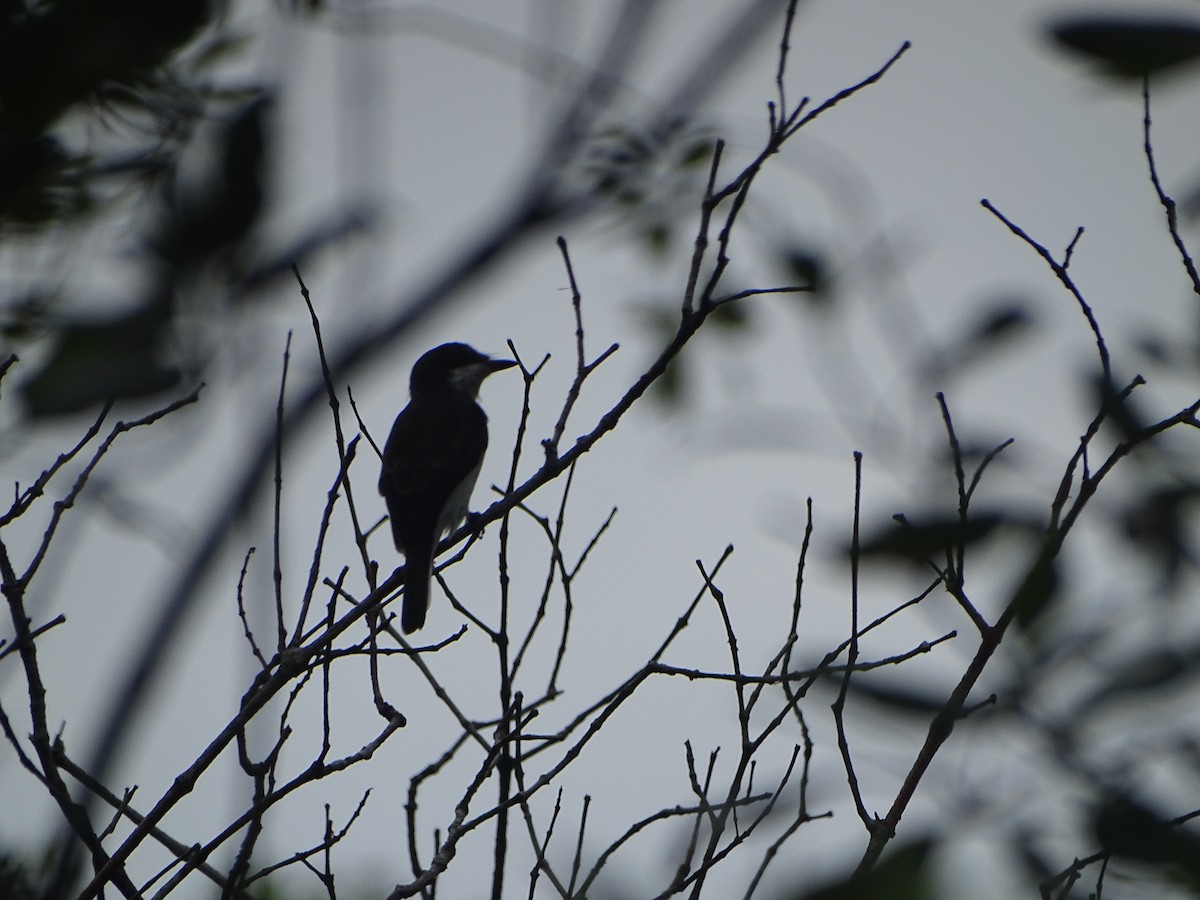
[434, 445]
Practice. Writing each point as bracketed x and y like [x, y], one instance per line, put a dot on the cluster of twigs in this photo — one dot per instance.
[310, 637]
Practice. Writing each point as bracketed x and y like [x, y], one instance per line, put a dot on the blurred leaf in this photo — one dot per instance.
[63, 53]
[220, 48]
[1036, 594]
[16, 879]
[1156, 672]
[40, 182]
[96, 362]
[1121, 414]
[806, 266]
[1189, 203]
[731, 316]
[1131, 830]
[697, 153]
[897, 699]
[334, 229]
[1155, 347]
[67, 63]
[660, 323]
[902, 874]
[1037, 859]
[625, 194]
[1003, 320]
[647, 174]
[668, 389]
[1130, 46]
[1158, 522]
[973, 451]
[219, 212]
[25, 317]
[931, 538]
[657, 238]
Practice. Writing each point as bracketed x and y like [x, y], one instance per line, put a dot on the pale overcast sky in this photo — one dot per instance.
[429, 118]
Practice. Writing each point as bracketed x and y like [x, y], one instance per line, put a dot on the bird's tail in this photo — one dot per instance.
[418, 572]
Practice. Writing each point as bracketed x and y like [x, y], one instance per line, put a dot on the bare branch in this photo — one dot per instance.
[1168, 203]
[1060, 271]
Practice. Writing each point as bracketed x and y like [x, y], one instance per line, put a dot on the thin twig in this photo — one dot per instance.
[1168, 203]
[1060, 272]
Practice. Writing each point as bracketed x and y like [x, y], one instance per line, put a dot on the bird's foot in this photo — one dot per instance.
[475, 524]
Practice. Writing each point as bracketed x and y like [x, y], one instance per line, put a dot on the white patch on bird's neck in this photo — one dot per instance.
[468, 378]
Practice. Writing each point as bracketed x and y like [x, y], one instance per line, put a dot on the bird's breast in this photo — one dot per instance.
[458, 504]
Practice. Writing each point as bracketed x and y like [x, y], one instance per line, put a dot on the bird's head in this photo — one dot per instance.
[456, 367]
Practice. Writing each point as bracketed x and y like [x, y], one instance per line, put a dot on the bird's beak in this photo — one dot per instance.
[495, 365]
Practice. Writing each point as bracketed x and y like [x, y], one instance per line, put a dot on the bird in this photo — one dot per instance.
[431, 461]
